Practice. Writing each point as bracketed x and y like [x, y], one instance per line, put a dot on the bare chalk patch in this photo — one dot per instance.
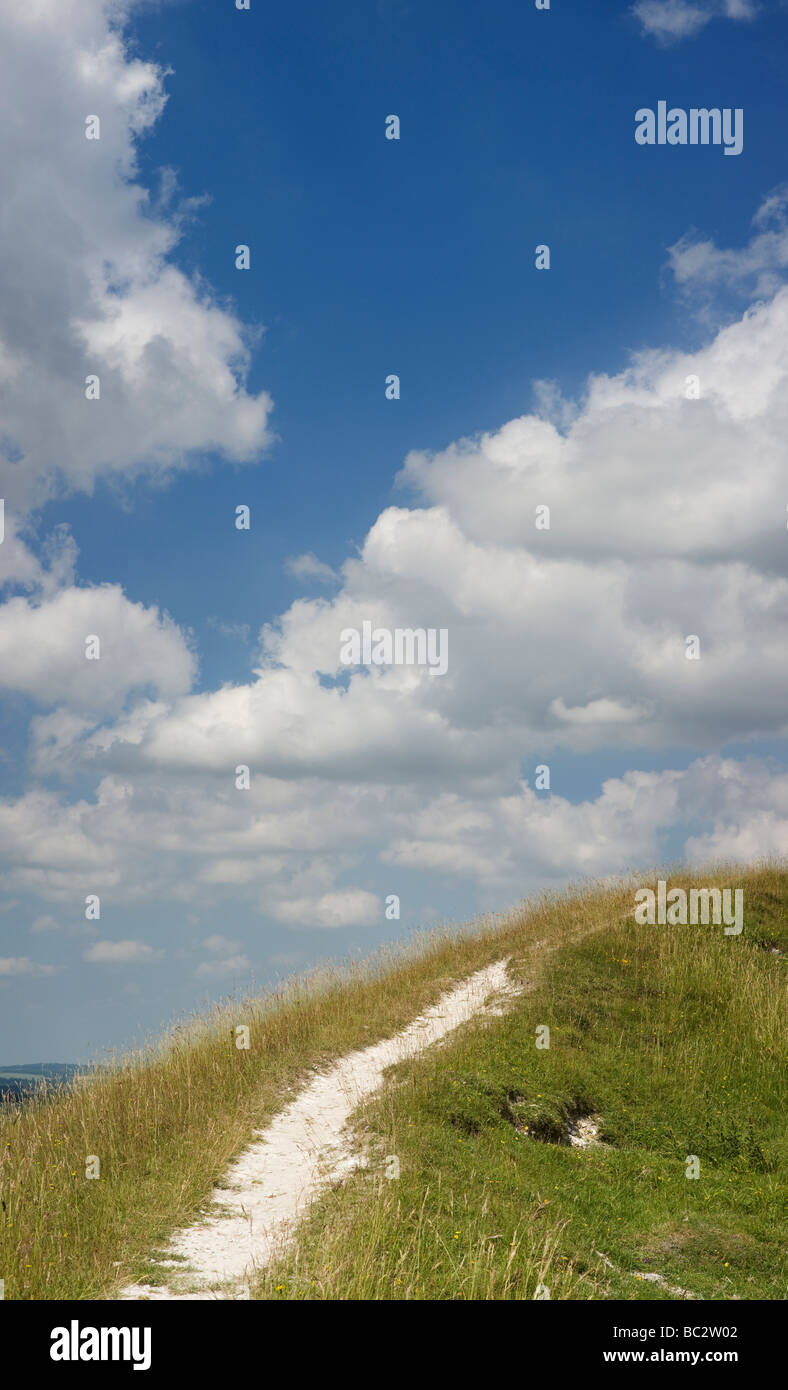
[583, 1132]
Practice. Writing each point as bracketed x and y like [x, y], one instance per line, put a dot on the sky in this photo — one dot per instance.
[636, 388]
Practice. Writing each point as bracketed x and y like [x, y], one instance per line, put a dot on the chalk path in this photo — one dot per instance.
[304, 1149]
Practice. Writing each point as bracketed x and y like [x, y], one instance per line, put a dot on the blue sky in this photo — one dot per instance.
[372, 257]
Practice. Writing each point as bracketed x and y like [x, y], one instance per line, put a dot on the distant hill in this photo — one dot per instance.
[25, 1079]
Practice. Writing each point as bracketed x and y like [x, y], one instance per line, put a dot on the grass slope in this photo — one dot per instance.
[674, 1036]
[676, 1039]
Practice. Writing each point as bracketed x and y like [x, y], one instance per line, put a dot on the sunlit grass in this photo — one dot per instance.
[676, 1039]
[166, 1123]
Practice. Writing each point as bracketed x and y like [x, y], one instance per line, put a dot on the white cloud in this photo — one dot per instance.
[667, 518]
[22, 965]
[217, 942]
[500, 841]
[309, 567]
[528, 836]
[43, 650]
[597, 712]
[229, 958]
[672, 20]
[88, 284]
[643, 472]
[240, 631]
[669, 20]
[570, 639]
[229, 965]
[702, 269]
[44, 573]
[657, 532]
[349, 907]
[121, 953]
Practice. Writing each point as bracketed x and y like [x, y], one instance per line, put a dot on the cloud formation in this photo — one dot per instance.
[23, 965]
[121, 953]
[710, 275]
[666, 497]
[669, 21]
[89, 286]
[667, 519]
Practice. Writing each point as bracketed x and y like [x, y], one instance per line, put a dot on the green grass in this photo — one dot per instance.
[674, 1036]
[165, 1124]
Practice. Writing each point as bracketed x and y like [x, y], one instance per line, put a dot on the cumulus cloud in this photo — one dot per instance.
[89, 284]
[705, 272]
[41, 571]
[350, 907]
[121, 953]
[217, 942]
[494, 841]
[667, 509]
[309, 567]
[43, 649]
[22, 965]
[667, 518]
[227, 965]
[228, 958]
[669, 21]
[528, 835]
[645, 470]
[665, 489]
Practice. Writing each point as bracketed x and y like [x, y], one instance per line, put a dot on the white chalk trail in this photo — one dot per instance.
[304, 1149]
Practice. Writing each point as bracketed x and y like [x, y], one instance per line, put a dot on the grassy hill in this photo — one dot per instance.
[667, 1043]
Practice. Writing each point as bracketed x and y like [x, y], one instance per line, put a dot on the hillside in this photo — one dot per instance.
[567, 1167]
[519, 1167]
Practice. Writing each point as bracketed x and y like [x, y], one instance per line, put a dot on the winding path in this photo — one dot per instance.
[305, 1148]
